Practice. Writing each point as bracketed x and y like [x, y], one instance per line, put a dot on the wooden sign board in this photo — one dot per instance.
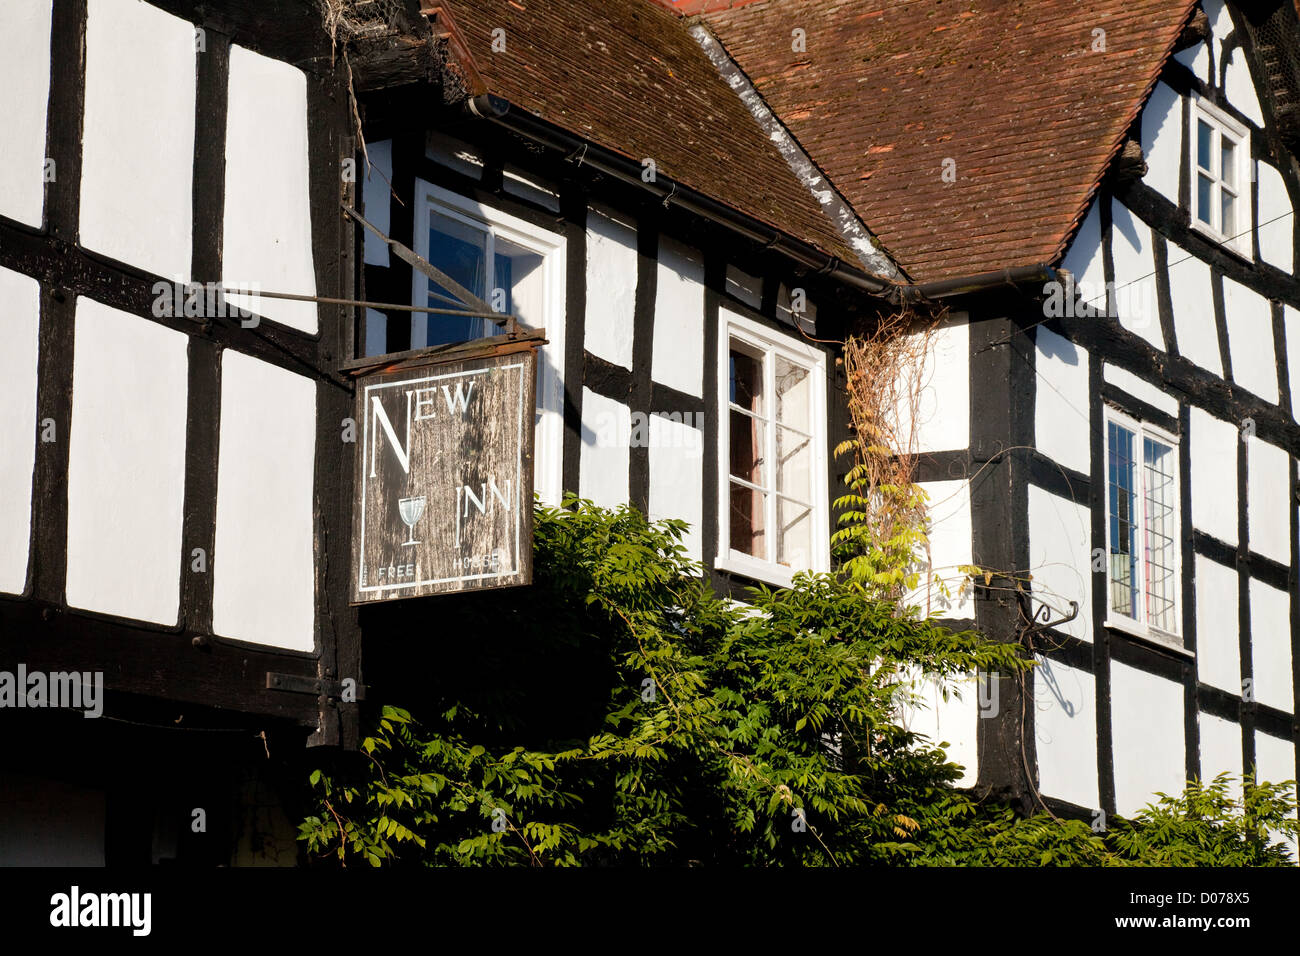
[444, 480]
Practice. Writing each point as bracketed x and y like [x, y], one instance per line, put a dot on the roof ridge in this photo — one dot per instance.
[865, 244]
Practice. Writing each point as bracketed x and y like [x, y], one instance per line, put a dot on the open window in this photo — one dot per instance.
[773, 497]
[1142, 529]
[512, 265]
[505, 267]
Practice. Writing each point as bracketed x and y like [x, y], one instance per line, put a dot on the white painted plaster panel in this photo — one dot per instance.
[1239, 87]
[745, 287]
[525, 186]
[1162, 140]
[1147, 725]
[1140, 389]
[137, 166]
[1275, 762]
[1270, 646]
[1274, 758]
[1193, 305]
[678, 353]
[1268, 481]
[604, 461]
[950, 548]
[1065, 732]
[19, 328]
[1060, 557]
[376, 332]
[677, 477]
[376, 193]
[1218, 647]
[267, 230]
[1220, 750]
[1250, 339]
[956, 723]
[611, 287]
[943, 407]
[1061, 422]
[952, 721]
[1196, 59]
[1291, 328]
[1084, 261]
[806, 319]
[1135, 283]
[1220, 27]
[264, 581]
[454, 154]
[126, 464]
[25, 78]
[1276, 219]
[1214, 476]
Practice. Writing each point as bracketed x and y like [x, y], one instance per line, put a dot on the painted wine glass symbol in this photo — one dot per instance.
[410, 509]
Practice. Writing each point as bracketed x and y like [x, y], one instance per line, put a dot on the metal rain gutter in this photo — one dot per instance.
[983, 281]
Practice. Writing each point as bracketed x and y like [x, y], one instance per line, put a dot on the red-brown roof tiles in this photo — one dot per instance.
[626, 75]
[1017, 94]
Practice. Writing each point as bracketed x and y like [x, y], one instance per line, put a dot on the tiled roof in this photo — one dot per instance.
[1011, 91]
[626, 75]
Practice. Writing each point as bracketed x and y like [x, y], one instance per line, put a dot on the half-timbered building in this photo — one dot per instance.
[218, 219]
[1104, 195]
[179, 458]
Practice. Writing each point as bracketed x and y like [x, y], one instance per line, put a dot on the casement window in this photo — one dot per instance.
[516, 268]
[773, 512]
[1142, 529]
[1220, 166]
[503, 263]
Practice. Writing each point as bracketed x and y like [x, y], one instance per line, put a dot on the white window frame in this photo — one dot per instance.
[1139, 627]
[1223, 125]
[548, 446]
[772, 344]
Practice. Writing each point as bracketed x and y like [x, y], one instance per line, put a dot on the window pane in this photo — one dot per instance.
[1227, 161]
[1122, 530]
[1204, 150]
[747, 521]
[376, 332]
[794, 464]
[747, 436]
[1161, 496]
[794, 529]
[460, 251]
[518, 273]
[793, 395]
[1204, 197]
[746, 379]
[1228, 214]
[499, 296]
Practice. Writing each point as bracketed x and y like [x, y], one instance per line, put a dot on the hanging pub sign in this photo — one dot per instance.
[444, 480]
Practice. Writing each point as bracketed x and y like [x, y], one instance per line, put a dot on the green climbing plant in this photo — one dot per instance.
[702, 732]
